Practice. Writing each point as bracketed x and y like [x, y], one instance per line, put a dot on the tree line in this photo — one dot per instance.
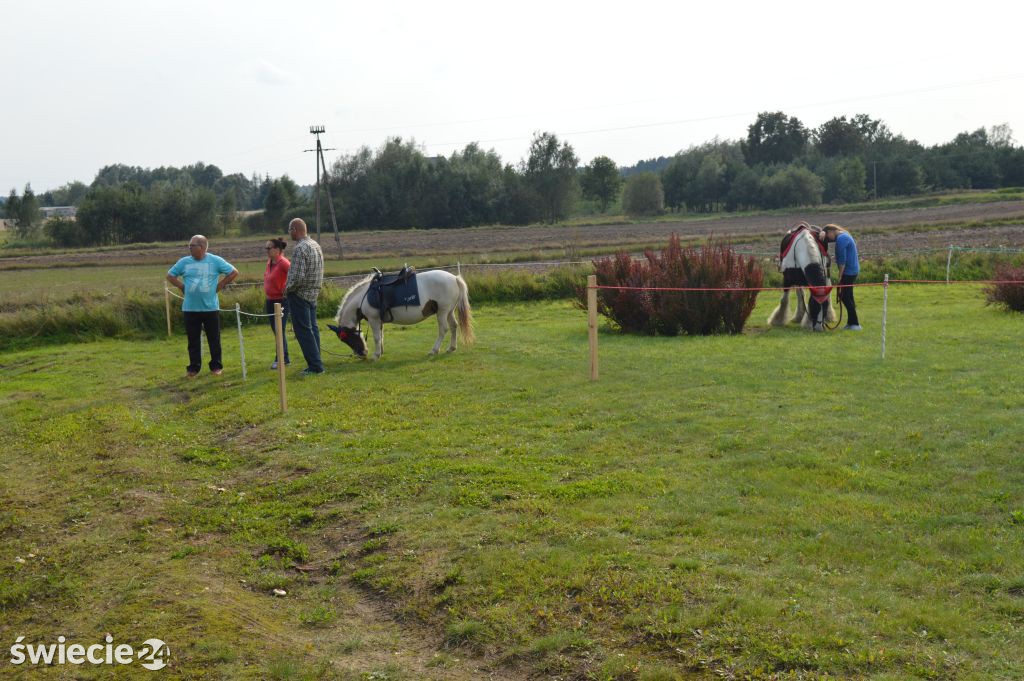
[129, 204]
[780, 163]
[398, 186]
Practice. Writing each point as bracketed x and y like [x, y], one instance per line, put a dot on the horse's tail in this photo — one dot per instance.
[465, 312]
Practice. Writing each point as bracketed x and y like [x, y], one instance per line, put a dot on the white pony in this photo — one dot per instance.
[804, 262]
[439, 292]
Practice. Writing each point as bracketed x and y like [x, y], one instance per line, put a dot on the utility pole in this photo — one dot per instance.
[320, 163]
[874, 181]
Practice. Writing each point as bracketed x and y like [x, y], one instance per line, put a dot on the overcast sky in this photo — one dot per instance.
[237, 84]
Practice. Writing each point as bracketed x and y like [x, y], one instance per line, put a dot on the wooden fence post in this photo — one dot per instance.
[167, 308]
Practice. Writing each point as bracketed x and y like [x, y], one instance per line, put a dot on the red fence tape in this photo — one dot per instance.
[782, 288]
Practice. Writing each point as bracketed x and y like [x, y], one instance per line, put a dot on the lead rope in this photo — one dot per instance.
[839, 317]
[827, 262]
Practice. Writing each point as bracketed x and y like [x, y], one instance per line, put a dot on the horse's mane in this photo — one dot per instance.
[349, 292]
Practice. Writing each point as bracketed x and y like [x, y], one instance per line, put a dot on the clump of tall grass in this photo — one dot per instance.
[519, 286]
[136, 314]
[132, 314]
[964, 266]
[82, 318]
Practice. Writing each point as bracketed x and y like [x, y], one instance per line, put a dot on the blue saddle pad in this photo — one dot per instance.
[394, 295]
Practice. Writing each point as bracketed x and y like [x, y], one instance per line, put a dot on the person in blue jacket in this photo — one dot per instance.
[198, 275]
[849, 268]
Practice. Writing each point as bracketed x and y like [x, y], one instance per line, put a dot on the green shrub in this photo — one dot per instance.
[65, 232]
[643, 195]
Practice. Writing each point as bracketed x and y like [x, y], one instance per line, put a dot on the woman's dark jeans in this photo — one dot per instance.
[846, 296]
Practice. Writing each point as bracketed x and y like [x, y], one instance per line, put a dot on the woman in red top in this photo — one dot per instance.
[273, 286]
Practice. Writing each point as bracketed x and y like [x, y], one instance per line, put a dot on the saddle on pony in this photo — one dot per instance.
[393, 290]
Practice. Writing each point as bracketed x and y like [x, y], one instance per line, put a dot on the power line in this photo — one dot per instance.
[623, 128]
[704, 119]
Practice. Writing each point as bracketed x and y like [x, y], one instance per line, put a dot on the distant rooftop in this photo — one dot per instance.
[58, 211]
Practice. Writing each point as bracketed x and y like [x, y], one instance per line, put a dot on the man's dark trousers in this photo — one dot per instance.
[195, 323]
[307, 333]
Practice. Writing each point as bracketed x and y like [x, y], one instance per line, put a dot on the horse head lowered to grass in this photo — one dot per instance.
[407, 297]
[804, 262]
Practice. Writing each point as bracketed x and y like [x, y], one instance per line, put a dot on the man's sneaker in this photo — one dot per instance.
[274, 365]
[853, 327]
[217, 372]
[191, 374]
[310, 372]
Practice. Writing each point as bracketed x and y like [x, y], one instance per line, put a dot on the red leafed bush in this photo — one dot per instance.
[1009, 294]
[668, 313]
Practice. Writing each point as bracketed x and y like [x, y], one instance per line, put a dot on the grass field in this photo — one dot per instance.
[772, 505]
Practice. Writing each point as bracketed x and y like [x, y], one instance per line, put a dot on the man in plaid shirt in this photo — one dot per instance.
[305, 277]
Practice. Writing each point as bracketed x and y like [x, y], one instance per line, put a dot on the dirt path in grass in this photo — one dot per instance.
[875, 230]
[364, 638]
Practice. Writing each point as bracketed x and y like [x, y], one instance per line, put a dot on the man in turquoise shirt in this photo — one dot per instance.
[198, 275]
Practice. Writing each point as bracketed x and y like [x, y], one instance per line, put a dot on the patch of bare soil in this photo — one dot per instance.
[875, 231]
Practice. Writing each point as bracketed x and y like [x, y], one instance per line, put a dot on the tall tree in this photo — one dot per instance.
[275, 205]
[791, 186]
[643, 195]
[677, 177]
[839, 137]
[1001, 136]
[898, 166]
[774, 138]
[551, 173]
[842, 137]
[239, 186]
[471, 182]
[845, 179]
[601, 181]
[227, 212]
[70, 194]
[12, 205]
[27, 213]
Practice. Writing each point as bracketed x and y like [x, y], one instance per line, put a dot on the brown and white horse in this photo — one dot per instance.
[804, 262]
[441, 293]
